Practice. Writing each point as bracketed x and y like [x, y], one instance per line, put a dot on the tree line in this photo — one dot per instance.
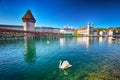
[101, 29]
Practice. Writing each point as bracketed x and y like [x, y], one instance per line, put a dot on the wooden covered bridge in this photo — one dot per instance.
[27, 30]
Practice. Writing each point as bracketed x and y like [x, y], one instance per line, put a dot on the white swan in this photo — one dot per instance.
[64, 65]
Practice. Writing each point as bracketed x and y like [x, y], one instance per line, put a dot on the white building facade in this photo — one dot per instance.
[110, 33]
[67, 31]
[86, 31]
[101, 33]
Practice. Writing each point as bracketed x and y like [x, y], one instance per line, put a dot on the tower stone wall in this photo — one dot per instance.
[29, 26]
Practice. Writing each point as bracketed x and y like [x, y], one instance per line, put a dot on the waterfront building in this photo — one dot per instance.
[104, 33]
[87, 30]
[101, 33]
[75, 32]
[95, 33]
[67, 31]
[110, 32]
[116, 32]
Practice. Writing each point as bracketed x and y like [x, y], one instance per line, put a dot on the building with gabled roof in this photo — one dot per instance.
[110, 32]
[87, 30]
[67, 31]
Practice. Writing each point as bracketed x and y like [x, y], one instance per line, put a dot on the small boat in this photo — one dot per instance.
[113, 38]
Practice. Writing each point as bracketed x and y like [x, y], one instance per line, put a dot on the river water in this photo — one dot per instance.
[92, 58]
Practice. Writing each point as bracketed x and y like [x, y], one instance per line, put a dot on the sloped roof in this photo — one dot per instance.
[45, 27]
[83, 29]
[28, 15]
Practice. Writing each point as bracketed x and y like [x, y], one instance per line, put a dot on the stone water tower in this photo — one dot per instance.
[29, 21]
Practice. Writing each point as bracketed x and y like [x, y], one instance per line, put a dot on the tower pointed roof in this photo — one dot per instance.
[28, 17]
[92, 24]
[89, 23]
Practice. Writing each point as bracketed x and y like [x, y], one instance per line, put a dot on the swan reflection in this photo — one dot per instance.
[30, 50]
[64, 71]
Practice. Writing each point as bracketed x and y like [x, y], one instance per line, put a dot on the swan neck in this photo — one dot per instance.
[60, 64]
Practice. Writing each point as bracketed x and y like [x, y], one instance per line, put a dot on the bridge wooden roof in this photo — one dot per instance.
[6, 26]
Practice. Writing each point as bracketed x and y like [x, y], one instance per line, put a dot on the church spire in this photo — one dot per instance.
[89, 25]
[92, 24]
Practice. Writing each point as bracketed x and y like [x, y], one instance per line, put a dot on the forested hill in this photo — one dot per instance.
[100, 29]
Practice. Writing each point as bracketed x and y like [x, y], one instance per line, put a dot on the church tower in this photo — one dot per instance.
[92, 24]
[88, 28]
[29, 21]
[88, 25]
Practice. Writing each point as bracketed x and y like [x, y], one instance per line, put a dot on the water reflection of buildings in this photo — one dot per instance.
[100, 39]
[110, 41]
[30, 49]
[66, 42]
[83, 41]
[62, 42]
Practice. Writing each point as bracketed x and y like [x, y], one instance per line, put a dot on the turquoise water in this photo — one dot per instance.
[92, 58]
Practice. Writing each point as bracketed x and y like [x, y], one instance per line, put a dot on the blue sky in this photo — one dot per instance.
[59, 13]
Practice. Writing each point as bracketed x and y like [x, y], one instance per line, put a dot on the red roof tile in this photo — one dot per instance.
[83, 29]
